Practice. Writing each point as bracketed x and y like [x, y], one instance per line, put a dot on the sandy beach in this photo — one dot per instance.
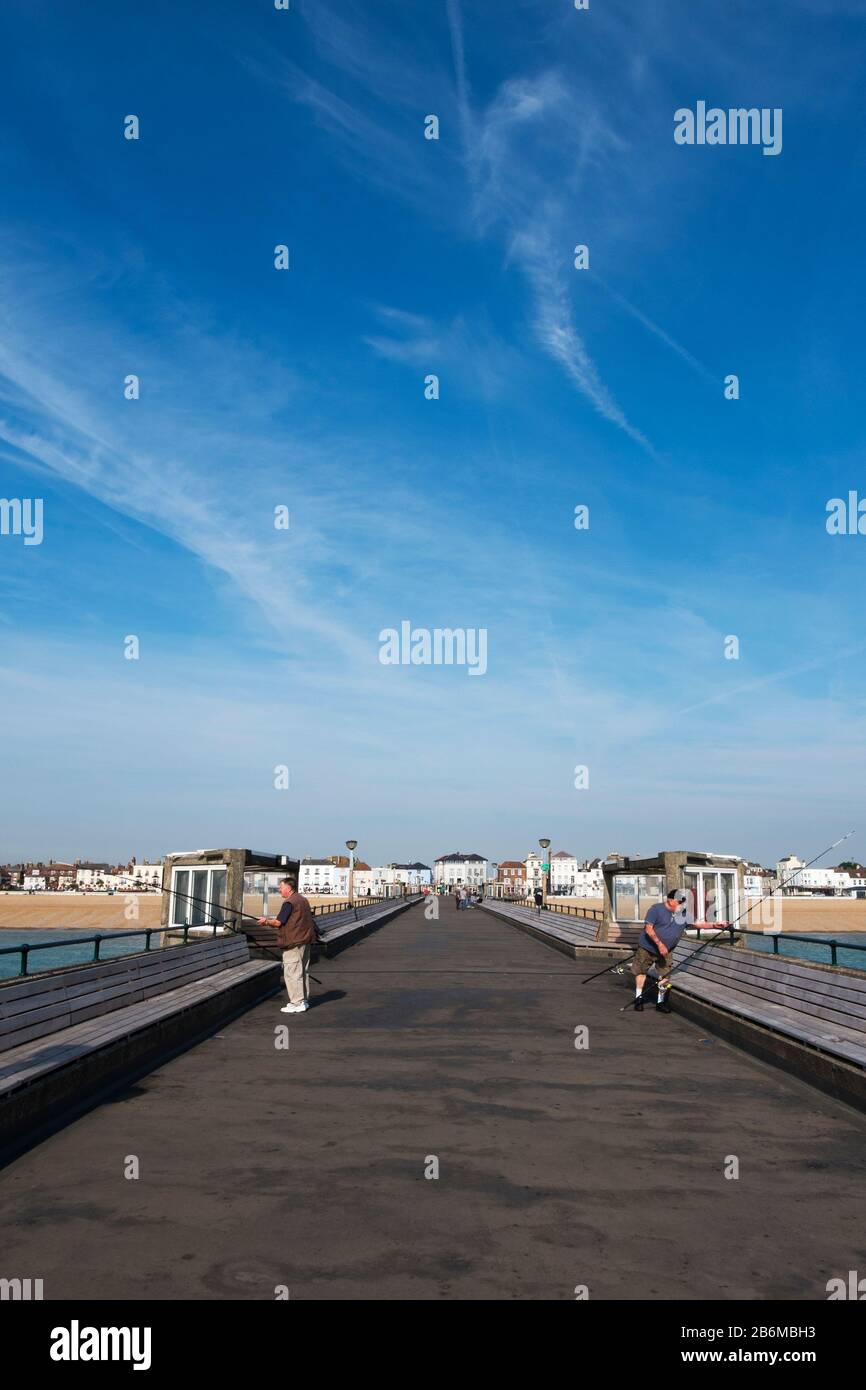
[804, 915]
[86, 912]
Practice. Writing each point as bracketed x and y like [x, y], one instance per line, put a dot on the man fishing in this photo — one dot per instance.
[663, 927]
[296, 932]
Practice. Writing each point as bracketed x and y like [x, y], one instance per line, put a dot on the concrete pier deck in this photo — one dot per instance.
[558, 1167]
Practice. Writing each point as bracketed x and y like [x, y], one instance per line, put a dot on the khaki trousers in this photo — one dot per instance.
[296, 972]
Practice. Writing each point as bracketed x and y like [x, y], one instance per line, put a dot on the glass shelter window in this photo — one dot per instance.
[711, 895]
[198, 897]
[635, 894]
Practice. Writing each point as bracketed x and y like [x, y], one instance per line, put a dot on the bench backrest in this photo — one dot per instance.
[837, 996]
[578, 928]
[624, 934]
[32, 1008]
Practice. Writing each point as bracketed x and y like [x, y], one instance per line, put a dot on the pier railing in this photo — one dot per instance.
[594, 914]
[26, 948]
[834, 946]
[201, 932]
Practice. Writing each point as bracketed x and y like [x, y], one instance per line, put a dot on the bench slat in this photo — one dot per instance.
[121, 1023]
[826, 983]
[840, 1017]
[843, 1042]
[56, 1009]
[32, 1009]
[806, 995]
[772, 968]
[32, 1059]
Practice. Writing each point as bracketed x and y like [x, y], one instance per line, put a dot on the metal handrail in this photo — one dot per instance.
[24, 950]
[326, 909]
[595, 914]
[97, 938]
[775, 936]
[835, 946]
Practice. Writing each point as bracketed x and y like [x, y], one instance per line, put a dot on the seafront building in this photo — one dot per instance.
[323, 876]
[837, 882]
[570, 877]
[82, 876]
[330, 877]
[511, 878]
[460, 870]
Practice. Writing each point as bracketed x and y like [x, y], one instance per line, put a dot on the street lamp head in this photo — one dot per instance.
[544, 844]
[351, 844]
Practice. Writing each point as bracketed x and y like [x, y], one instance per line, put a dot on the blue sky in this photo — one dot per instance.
[603, 387]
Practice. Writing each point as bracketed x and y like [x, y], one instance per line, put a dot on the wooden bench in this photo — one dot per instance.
[822, 1007]
[67, 1032]
[565, 933]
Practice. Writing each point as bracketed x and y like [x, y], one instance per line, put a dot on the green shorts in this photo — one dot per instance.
[645, 959]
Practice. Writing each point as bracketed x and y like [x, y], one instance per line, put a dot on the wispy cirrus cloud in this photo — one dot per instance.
[477, 360]
[533, 136]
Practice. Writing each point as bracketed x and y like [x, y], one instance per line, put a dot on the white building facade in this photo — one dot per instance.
[460, 871]
[322, 877]
[589, 882]
[413, 877]
[145, 875]
[569, 876]
[758, 882]
[563, 873]
[534, 873]
[89, 875]
[832, 882]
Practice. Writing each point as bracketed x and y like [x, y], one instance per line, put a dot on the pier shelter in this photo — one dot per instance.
[201, 887]
[712, 883]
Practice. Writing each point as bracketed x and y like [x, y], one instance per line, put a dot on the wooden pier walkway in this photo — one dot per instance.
[452, 1040]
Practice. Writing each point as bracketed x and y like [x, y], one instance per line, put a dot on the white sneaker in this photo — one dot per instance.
[302, 1008]
[290, 1009]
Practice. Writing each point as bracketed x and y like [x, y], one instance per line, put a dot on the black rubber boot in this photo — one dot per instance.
[638, 1006]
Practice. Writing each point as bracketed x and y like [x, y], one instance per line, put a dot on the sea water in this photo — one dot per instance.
[112, 945]
[815, 948]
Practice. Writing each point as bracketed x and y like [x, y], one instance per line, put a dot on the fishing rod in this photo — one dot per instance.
[729, 927]
[246, 915]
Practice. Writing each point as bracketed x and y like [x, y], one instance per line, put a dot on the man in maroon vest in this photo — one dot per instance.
[296, 932]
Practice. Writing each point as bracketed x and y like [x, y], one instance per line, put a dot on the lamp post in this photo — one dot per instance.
[351, 846]
[545, 872]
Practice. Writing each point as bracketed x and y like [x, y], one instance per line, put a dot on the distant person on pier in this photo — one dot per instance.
[539, 900]
[296, 932]
[664, 925]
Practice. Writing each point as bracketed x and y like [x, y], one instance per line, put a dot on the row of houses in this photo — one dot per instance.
[82, 876]
[330, 877]
[569, 876]
[846, 880]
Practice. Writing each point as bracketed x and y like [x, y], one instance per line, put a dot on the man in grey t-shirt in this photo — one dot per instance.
[664, 925]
